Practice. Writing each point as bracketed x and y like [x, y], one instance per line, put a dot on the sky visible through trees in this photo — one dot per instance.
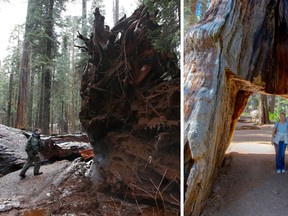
[42, 60]
[14, 12]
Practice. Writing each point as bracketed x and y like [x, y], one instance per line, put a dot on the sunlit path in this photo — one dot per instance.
[248, 183]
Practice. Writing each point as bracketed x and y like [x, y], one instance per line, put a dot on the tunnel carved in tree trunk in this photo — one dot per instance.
[131, 111]
[238, 48]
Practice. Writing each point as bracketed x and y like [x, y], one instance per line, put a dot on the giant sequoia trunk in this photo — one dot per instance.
[47, 72]
[238, 48]
[131, 111]
[24, 76]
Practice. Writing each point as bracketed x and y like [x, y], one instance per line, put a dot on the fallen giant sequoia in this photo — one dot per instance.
[131, 111]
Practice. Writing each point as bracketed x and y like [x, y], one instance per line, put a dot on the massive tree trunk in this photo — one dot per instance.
[49, 23]
[131, 112]
[24, 85]
[238, 48]
[24, 71]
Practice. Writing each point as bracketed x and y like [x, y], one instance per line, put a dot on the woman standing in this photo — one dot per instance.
[279, 139]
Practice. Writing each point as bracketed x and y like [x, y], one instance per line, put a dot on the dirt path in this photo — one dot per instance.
[248, 184]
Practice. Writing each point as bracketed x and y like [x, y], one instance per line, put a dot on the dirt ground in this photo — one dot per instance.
[248, 184]
[64, 190]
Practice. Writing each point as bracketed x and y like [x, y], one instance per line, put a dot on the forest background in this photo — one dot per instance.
[44, 60]
[41, 70]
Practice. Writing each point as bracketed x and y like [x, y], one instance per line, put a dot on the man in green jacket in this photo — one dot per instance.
[32, 148]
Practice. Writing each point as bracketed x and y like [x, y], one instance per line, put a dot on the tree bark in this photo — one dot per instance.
[31, 99]
[272, 104]
[24, 71]
[115, 11]
[263, 110]
[49, 23]
[22, 103]
[238, 48]
[9, 116]
[74, 75]
[41, 99]
[84, 17]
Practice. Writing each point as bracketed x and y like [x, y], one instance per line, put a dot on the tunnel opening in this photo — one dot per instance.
[248, 171]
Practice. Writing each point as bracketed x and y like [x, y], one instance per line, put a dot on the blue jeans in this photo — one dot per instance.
[280, 155]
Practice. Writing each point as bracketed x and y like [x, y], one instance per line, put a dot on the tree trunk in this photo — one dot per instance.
[61, 120]
[22, 104]
[73, 112]
[9, 116]
[239, 47]
[66, 119]
[52, 122]
[41, 100]
[263, 110]
[272, 104]
[24, 71]
[115, 11]
[74, 74]
[30, 105]
[48, 68]
[84, 17]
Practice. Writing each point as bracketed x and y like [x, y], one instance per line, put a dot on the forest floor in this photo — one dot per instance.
[62, 189]
[248, 183]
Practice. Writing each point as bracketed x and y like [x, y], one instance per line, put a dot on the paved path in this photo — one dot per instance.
[248, 184]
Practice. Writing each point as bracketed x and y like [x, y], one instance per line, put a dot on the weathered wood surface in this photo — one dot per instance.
[131, 111]
[238, 48]
[61, 147]
[12, 153]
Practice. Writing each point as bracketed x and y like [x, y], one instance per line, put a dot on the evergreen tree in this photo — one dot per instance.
[115, 11]
[167, 37]
[24, 71]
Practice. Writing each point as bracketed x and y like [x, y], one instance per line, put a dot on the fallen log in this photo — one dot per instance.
[63, 146]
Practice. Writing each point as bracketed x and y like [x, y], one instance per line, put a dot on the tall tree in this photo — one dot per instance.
[47, 72]
[263, 110]
[272, 104]
[51, 14]
[115, 11]
[167, 13]
[22, 104]
[12, 64]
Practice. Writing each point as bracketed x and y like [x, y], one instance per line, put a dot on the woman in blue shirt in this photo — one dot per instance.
[279, 139]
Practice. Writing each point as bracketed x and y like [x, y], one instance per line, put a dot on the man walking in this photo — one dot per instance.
[32, 148]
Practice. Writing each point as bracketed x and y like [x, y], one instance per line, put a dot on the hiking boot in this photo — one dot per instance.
[39, 173]
[283, 170]
[22, 175]
[278, 171]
